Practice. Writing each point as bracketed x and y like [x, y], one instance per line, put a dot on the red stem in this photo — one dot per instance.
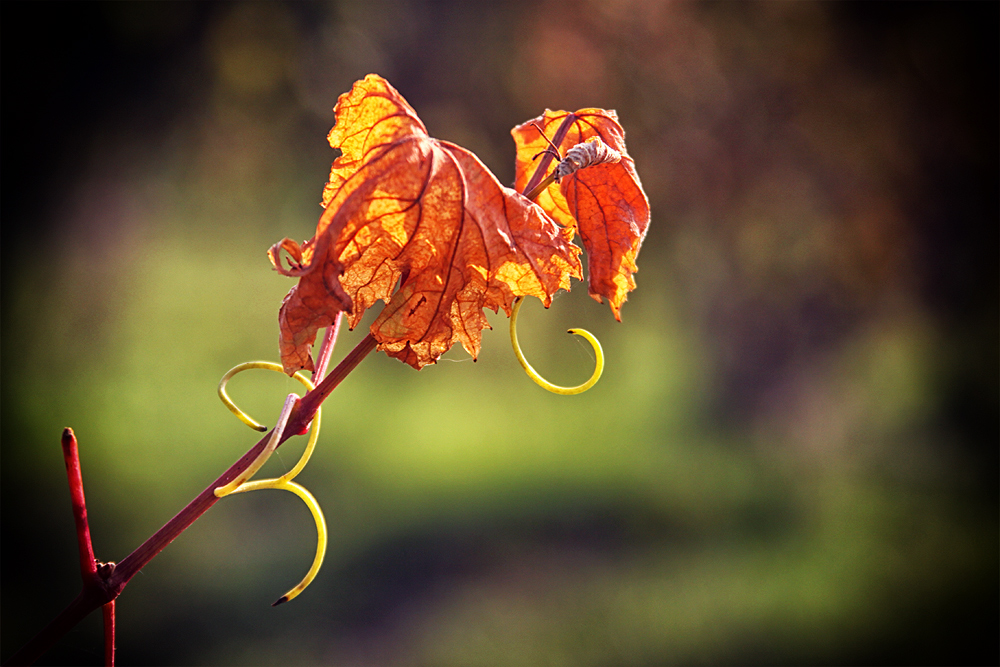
[311, 401]
[326, 349]
[547, 157]
[71, 456]
[109, 633]
[97, 591]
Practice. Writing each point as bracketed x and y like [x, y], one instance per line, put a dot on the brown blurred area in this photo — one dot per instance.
[822, 263]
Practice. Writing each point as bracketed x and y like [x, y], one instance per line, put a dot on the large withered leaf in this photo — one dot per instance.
[404, 208]
[604, 202]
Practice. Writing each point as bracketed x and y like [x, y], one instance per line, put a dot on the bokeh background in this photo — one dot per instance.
[792, 456]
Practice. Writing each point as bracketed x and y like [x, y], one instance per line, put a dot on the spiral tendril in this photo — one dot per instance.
[542, 382]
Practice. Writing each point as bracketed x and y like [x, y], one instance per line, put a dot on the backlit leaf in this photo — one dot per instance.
[604, 202]
[405, 209]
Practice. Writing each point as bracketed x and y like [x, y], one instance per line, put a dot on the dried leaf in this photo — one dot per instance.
[403, 208]
[604, 202]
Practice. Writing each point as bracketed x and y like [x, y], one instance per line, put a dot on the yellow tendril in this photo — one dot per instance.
[542, 382]
[241, 485]
[321, 532]
[266, 365]
[272, 444]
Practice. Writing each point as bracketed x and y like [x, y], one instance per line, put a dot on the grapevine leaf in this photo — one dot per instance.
[604, 202]
[405, 209]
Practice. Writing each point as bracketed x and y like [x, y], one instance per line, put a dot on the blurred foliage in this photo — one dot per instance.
[791, 458]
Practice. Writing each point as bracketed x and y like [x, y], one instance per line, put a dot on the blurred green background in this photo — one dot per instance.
[792, 456]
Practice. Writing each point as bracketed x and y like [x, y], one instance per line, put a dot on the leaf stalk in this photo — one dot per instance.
[547, 158]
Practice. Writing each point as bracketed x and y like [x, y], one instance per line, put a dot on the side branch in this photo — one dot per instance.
[97, 590]
[74, 473]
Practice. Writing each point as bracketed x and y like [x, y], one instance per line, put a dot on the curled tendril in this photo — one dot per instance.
[266, 365]
[276, 435]
[321, 531]
[542, 382]
[241, 485]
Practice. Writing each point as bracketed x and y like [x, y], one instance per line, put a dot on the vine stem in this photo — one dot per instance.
[532, 189]
[297, 421]
[99, 591]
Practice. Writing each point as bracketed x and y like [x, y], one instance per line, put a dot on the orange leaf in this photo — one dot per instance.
[404, 208]
[604, 202]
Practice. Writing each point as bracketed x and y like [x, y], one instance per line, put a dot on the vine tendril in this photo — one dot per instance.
[267, 365]
[542, 382]
[241, 485]
[321, 531]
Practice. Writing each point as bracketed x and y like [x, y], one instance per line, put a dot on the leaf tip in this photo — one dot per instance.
[282, 600]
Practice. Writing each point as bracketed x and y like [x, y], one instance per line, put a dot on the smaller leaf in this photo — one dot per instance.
[603, 200]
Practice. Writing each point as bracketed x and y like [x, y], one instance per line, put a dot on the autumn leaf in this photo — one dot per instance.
[404, 208]
[604, 202]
